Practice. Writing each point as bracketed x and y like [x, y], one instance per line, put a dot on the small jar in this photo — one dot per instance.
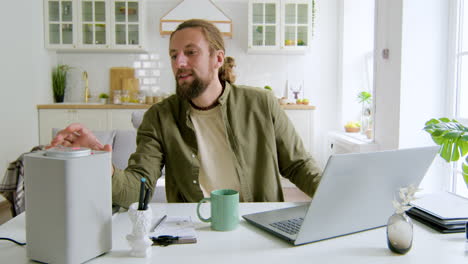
[141, 97]
[125, 96]
[149, 99]
[156, 99]
[117, 97]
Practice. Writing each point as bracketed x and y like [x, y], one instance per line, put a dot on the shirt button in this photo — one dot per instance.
[193, 155]
[194, 182]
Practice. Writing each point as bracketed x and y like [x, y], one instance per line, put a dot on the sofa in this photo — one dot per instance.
[123, 144]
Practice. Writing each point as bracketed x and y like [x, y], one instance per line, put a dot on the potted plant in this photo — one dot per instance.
[452, 136]
[59, 81]
[365, 99]
[103, 97]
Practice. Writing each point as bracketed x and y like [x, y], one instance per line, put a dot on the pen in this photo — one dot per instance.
[147, 197]
[158, 223]
[142, 193]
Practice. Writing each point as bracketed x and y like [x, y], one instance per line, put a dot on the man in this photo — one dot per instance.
[211, 135]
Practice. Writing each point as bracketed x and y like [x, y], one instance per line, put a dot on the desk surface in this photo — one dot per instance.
[248, 244]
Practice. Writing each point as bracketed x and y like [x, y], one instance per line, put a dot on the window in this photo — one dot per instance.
[460, 87]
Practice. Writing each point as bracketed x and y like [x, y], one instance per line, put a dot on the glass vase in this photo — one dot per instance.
[399, 233]
[365, 117]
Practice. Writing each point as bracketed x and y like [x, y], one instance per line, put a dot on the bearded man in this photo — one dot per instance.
[210, 135]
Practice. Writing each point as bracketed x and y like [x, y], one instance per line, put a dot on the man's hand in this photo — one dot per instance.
[77, 135]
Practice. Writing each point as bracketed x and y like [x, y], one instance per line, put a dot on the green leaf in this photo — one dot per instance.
[455, 152]
[364, 97]
[463, 147]
[437, 133]
[451, 135]
[432, 121]
[465, 166]
[446, 152]
[465, 170]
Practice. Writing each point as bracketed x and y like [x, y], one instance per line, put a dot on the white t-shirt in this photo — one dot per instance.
[217, 170]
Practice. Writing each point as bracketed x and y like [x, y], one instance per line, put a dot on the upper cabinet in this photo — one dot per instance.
[60, 23]
[280, 25]
[93, 25]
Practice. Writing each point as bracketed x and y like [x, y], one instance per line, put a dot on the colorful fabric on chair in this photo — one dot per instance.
[12, 186]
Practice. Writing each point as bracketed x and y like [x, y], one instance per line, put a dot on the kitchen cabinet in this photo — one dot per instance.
[120, 119]
[74, 25]
[109, 117]
[303, 121]
[279, 26]
[60, 24]
[60, 118]
[94, 119]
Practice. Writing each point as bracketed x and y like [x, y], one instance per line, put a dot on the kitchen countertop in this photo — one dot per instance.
[138, 106]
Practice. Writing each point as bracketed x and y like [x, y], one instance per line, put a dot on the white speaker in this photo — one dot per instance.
[68, 204]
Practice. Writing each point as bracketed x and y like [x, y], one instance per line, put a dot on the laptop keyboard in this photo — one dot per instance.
[290, 226]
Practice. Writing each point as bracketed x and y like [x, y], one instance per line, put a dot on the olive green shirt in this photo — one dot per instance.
[263, 140]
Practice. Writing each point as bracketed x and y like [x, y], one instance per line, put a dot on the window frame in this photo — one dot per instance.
[454, 101]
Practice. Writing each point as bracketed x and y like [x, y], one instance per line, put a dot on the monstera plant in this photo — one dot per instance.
[452, 136]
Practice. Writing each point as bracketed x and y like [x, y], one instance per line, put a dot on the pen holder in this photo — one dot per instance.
[139, 238]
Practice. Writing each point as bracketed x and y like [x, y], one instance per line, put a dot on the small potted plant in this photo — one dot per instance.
[103, 97]
[59, 81]
[365, 99]
[452, 136]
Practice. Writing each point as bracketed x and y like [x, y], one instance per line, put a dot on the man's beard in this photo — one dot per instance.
[191, 90]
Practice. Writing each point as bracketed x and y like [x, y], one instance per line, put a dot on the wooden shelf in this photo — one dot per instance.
[139, 106]
[93, 106]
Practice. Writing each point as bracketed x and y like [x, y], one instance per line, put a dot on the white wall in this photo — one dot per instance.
[424, 68]
[317, 67]
[424, 77]
[24, 75]
[357, 44]
[26, 68]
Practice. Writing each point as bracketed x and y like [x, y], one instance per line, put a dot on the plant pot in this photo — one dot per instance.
[103, 100]
[59, 98]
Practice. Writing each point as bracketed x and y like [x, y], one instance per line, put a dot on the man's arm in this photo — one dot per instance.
[147, 161]
[294, 162]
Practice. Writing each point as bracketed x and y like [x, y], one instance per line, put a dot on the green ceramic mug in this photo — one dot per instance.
[224, 209]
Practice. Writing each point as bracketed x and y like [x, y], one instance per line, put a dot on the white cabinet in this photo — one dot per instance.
[303, 121]
[109, 119]
[120, 119]
[93, 25]
[60, 24]
[280, 25]
[264, 25]
[94, 119]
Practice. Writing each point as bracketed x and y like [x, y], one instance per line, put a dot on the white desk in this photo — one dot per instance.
[247, 244]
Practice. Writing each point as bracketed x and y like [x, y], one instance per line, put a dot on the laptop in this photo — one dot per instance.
[354, 195]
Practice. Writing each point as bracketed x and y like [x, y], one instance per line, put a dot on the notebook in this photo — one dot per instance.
[354, 195]
[445, 212]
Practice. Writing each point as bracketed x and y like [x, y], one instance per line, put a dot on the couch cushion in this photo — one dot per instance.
[137, 118]
[124, 146]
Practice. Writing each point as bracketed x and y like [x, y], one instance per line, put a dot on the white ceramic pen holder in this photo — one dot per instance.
[139, 238]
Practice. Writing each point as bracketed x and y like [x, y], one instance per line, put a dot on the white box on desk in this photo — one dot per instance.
[68, 207]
